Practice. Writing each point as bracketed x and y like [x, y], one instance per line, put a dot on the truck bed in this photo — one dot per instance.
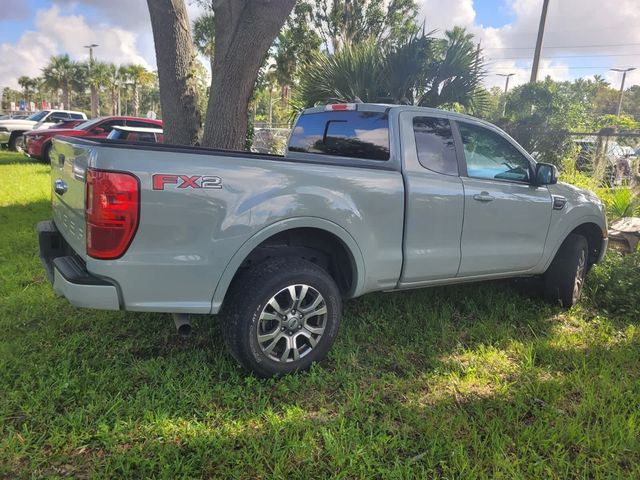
[190, 239]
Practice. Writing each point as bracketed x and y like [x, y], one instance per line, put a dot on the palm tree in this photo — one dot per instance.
[62, 74]
[29, 86]
[97, 75]
[420, 71]
[138, 76]
[114, 82]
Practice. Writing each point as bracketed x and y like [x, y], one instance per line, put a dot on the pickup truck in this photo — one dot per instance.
[367, 198]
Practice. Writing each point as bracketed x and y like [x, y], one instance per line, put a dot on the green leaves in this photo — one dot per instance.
[422, 71]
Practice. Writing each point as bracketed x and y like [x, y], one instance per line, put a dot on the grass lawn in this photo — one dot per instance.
[473, 381]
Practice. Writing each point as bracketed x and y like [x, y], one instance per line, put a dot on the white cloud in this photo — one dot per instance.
[570, 23]
[57, 33]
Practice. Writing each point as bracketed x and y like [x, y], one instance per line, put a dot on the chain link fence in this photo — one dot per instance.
[270, 139]
[610, 157]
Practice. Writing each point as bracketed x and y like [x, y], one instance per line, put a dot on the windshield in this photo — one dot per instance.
[36, 117]
[88, 124]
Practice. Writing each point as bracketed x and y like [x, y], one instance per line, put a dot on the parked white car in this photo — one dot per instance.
[11, 129]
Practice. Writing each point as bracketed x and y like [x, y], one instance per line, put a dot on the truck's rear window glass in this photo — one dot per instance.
[434, 142]
[347, 134]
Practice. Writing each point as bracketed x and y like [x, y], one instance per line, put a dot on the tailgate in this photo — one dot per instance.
[68, 174]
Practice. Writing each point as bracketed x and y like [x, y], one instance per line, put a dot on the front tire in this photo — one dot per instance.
[282, 316]
[14, 141]
[564, 279]
[44, 158]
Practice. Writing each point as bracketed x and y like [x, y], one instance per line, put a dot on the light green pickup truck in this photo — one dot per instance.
[367, 198]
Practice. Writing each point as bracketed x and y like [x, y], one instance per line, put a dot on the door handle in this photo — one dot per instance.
[60, 187]
[483, 197]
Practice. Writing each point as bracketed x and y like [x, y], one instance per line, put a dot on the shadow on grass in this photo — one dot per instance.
[465, 381]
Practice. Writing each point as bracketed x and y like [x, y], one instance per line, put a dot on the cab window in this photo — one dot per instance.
[435, 146]
[351, 134]
[489, 155]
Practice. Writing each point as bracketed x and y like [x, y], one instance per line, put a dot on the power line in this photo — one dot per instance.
[571, 56]
[556, 67]
[567, 46]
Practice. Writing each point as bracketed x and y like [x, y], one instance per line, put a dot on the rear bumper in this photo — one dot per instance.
[68, 274]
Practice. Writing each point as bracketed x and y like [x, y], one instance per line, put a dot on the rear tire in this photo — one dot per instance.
[564, 279]
[282, 315]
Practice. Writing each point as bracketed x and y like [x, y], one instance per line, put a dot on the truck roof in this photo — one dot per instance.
[382, 107]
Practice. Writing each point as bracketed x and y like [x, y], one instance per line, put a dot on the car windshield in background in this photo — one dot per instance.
[36, 117]
[88, 124]
[343, 133]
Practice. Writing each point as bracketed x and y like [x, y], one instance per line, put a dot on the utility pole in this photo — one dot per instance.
[536, 57]
[477, 69]
[506, 89]
[624, 77]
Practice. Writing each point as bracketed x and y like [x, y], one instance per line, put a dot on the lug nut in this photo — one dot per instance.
[282, 329]
[299, 327]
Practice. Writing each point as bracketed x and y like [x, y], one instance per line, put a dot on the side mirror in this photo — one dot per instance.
[546, 174]
[99, 131]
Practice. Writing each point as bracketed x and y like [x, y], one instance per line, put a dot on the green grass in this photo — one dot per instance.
[475, 381]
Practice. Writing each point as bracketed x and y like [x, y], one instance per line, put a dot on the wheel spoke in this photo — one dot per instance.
[312, 340]
[270, 316]
[276, 306]
[315, 330]
[302, 296]
[287, 349]
[272, 345]
[294, 296]
[314, 304]
[280, 331]
[320, 311]
[268, 336]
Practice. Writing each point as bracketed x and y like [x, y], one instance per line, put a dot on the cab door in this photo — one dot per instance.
[434, 199]
[506, 216]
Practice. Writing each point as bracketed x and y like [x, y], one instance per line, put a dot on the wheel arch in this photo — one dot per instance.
[592, 231]
[298, 228]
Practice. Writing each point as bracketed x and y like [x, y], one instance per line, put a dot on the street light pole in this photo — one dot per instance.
[506, 89]
[624, 77]
[91, 47]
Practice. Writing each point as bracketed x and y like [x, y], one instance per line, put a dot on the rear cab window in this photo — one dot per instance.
[352, 134]
[435, 145]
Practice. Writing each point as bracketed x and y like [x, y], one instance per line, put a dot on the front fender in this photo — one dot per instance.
[291, 223]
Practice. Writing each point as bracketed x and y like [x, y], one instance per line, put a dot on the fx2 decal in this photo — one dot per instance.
[160, 180]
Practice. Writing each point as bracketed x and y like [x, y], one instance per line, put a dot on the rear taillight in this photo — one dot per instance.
[112, 206]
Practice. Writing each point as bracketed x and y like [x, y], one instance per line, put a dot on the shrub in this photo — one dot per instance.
[614, 285]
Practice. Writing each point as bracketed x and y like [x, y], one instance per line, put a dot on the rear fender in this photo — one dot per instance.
[298, 222]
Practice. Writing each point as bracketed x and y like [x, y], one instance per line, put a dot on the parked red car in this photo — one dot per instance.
[38, 142]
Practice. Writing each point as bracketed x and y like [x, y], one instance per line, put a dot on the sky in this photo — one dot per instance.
[582, 38]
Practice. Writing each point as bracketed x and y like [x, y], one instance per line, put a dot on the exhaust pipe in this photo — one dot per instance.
[183, 325]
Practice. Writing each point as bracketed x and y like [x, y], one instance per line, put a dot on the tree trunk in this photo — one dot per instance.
[114, 100]
[65, 98]
[245, 29]
[175, 58]
[95, 107]
[136, 101]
